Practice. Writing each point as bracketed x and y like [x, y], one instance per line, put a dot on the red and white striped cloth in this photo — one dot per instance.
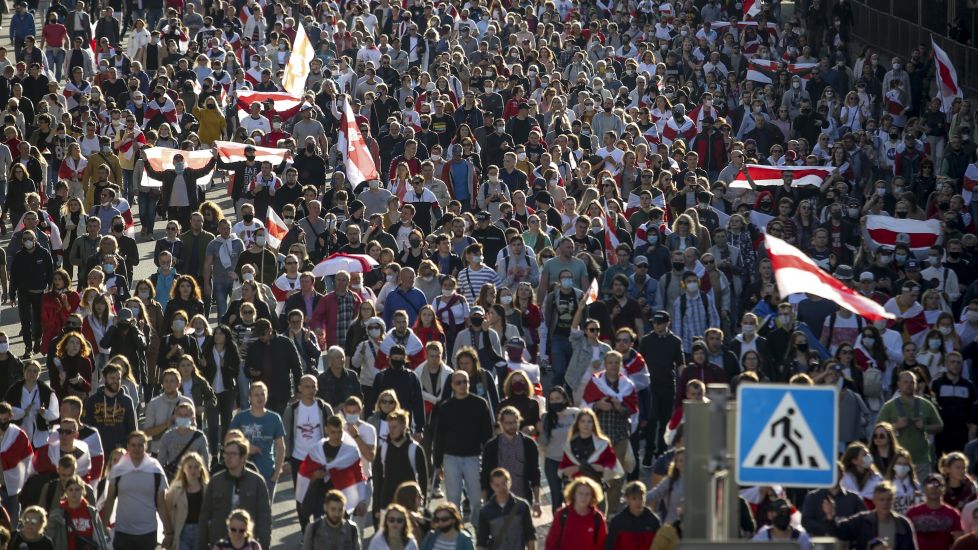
[127, 146]
[283, 104]
[161, 158]
[357, 158]
[883, 230]
[795, 272]
[153, 108]
[282, 287]
[345, 472]
[46, 458]
[764, 175]
[16, 455]
[610, 239]
[673, 131]
[699, 112]
[597, 389]
[968, 182]
[947, 78]
[275, 229]
[752, 8]
[72, 92]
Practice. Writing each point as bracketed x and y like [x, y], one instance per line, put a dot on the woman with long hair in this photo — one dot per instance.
[481, 382]
[518, 393]
[667, 496]
[56, 305]
[95, 325]
[183, 501]
[220, 364]
[176, 343]
[845, 355]
[72, 367]
[212, 215]
[33, 521]
[959, 489]
[588, 452]
[72, 223]
[357, 333]
[859, 474]
[410, 496]
[884, 446]
[534, 237]
[153, 315]
[870, 349]
[394, 532]
[75, 508]
[387, 402]
[251, 293]
[553, 431]
[906, 487]
[579, 524]
[240, 535]
[683, 234]
[751, 362]
[931, 355]
[185, 296]
[194, 386]
[427, 327]
[524, 313]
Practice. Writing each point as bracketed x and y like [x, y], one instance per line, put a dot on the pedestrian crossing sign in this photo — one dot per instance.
[787, 435]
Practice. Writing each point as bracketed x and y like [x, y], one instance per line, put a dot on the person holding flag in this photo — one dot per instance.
[180, 195]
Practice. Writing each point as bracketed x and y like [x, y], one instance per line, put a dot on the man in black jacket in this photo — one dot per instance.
[405, 385]
[273, 359]
[32, 272]
[518, 454]
[665, 352]
[180, 195]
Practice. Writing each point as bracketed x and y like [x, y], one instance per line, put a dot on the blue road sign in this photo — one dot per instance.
[787, 435]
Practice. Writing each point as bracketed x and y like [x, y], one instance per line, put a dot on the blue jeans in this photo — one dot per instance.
[147, 211]
[12, 505]
[221, 293]
[56, 60]
[127, 183]
[555, 482]
[188, 537]
[560, 356]
[459, 470]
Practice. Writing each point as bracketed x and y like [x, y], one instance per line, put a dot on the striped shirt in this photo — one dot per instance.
[470, 281]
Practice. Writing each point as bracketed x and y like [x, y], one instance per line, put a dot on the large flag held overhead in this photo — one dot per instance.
[883, 230]
[752, 8]
[297, 69]
[357, 158]
[230, 151]
[947, 78]
[161, 158]
[284, 104]
[774, 175]
[795, 272]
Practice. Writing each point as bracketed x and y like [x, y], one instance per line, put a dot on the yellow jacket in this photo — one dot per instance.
[91, 175]
[212, 124]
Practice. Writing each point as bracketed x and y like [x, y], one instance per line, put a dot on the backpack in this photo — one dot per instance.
[506, 257]
[703, 300]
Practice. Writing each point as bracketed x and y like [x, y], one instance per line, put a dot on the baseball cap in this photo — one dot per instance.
[661, 316]
[125, 314]
[843, 272]
[477, 311]
[641, 260]
[516, 342]
[912, 265]
[544, 196]
[482, 215]
[866, 276]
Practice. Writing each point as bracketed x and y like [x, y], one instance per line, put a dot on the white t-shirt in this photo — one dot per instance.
[246, 231]
[308, 430]
[369, 436]
[616, 154]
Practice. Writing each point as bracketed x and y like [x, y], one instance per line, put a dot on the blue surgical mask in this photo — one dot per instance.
[567, 282]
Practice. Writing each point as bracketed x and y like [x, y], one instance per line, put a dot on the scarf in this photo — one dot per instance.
[227, 248]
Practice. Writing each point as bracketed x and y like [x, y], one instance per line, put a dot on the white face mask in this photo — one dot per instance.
[750, 329]
[946, 331]
[260, 240]
[4, 347]
[447, 292]
[144, 295]
[374, 332]
[352, 418]
[867, 461]
[934, 343]
[693, 287]
[248, 276]
[506, 300]
[901, 470]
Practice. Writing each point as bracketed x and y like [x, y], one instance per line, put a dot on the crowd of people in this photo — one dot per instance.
[560, 240]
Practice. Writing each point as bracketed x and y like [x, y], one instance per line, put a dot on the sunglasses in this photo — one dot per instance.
[593, 330]
[387, 402]
[65, 431]
[237, 530]
[396, 520]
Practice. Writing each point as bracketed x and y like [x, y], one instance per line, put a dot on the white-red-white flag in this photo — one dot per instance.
[592, 292]
[883, 230]
[774, 175]
[230, 151]
[947, 77]
[968, 182]
[752, 8]
[344, 470]
[15, 454]
[795, 272]
[357, 158]
[275, 229]
[161, 158]
[284, 104]
[297, 69]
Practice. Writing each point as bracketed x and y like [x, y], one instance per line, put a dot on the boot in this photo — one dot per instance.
[27, 350]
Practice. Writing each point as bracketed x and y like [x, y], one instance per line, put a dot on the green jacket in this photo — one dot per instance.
[57, 529]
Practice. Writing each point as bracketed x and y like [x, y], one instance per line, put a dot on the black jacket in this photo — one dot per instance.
[130, 343]
[32, 271]
[229, 368]
[531, 463]
[190, 177]
[282, 376]
[408, 389]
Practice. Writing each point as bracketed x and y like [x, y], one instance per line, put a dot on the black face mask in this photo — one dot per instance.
[802, 347]
[901, 214]
[4, 425]
[676, 266]
[781, 521]
[476, 321]
[557, 407]
[311, 148]
[397, 363]
[248, 218]
[118, 228]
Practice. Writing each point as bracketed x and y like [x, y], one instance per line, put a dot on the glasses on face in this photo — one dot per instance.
[460, 382]
[291, 263]
[881, 435]
[387, 402]
[593, 331]
[237, 530]
[66, 431]
[31, 521]
[396, 520]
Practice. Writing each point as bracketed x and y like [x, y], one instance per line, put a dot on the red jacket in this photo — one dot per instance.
[55, 310]
[587, 532]
[325, 316]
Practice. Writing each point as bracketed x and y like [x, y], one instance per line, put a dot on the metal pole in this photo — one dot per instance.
[697, 514]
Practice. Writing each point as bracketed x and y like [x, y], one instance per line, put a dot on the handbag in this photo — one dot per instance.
[171, 468]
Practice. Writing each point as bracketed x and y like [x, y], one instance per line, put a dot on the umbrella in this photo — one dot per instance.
[353, 263]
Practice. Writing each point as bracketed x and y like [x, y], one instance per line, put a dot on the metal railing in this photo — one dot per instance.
[895, 36]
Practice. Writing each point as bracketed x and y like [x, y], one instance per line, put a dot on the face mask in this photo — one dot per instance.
[853, 212]
[374, 184]
[179, 325]
[447, 292]
[108, 269]
[182, 422]
[901, 470]
[248, 218]
[374, 332]
[946, 331]
[352, 418]
[4, 425]
[802, 346]
[750, 329]
[477, 321]
[676, 266]
[972, 316]
[934, 343]
[896, 66]
[248, 277]
[477, 259]
[868, 342]
[867, 461]
[506, 300]
[693, 287]
[4, 347]
[29, 245]
[782, 520]
[178, 167]
[567, 283]
[397, 363]
[557, 407]
[260, 240]
[499, 129]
